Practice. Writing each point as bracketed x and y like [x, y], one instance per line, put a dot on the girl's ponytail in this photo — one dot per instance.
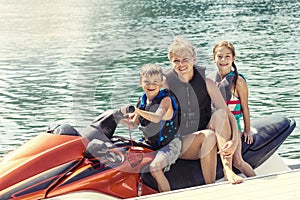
[236, 75]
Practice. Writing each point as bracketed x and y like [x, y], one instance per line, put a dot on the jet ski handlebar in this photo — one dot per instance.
[130, 109]
[118, 114]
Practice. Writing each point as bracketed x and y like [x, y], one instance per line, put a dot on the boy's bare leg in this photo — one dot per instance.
[165, 157]
[162, 181]
[202, 145]
[220, 124]
[156, 170]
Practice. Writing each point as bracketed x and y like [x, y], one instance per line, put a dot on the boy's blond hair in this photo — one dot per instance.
[150, 70]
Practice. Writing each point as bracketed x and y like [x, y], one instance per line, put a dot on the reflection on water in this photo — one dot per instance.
[64, 61]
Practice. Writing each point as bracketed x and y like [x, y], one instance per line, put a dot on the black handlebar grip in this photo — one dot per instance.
[130, 109]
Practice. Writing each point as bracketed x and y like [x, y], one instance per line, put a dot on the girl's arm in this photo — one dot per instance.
[242, 93]
[164, 111]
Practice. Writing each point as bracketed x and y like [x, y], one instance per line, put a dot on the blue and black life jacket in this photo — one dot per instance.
[159, 134]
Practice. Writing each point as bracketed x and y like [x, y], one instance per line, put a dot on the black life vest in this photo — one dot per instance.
[193, 98]
[159, 134]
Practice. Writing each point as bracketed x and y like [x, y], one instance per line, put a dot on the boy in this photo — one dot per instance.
[157, 114]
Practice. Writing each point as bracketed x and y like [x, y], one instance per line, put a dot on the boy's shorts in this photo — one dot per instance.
[170, 152]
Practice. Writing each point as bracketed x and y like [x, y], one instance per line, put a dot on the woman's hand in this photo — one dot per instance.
[228, 149]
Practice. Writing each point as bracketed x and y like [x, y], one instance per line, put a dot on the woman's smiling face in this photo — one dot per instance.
[182, 63]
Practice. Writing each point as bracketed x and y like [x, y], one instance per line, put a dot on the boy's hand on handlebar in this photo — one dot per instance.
[126, 111]
[130, 109]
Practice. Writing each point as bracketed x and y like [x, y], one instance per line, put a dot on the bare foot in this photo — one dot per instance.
[232, 177]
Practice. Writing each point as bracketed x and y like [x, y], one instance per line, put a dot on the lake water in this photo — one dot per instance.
[68, 61]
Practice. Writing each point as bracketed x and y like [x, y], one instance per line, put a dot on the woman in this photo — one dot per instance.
[201, 129]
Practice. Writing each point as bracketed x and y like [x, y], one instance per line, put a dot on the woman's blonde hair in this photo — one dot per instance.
[180, 44]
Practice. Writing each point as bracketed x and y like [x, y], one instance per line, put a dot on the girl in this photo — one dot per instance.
[235, 92]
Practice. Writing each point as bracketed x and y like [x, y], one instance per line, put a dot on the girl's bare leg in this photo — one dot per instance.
[202, 145]
[219, 123]
[240, 164]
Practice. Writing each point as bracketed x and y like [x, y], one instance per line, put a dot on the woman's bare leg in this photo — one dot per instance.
[208, 158]
[219, 123]
[202, 145]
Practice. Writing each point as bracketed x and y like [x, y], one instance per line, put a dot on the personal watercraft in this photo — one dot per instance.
[62, 161]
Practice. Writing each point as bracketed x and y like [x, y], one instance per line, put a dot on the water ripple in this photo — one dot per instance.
[68, 62]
